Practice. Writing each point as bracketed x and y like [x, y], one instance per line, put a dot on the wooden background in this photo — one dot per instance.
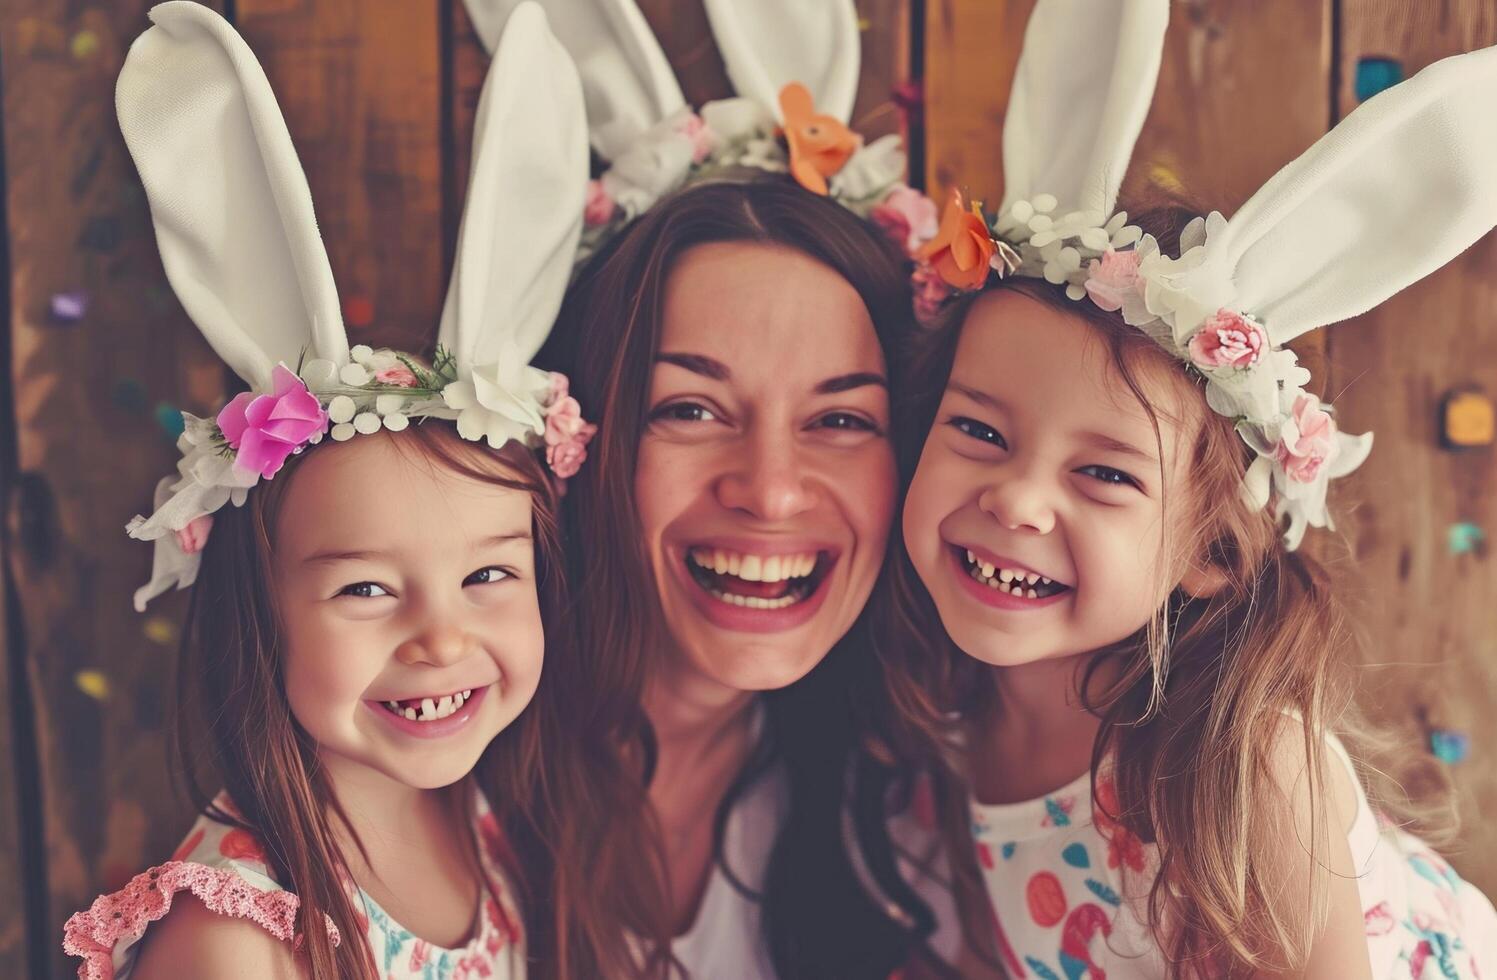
[379, 99]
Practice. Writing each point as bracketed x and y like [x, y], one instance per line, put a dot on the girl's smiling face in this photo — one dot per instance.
[410, 622]
[1036, 515]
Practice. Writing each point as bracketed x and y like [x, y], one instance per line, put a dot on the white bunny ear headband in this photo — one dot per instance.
[239, 242]
[785, 58]
[1399, 188]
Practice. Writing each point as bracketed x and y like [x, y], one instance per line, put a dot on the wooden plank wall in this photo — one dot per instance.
[381, 110]
[1243, 89]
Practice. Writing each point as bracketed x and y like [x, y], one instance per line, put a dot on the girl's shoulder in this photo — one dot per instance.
[222, 871]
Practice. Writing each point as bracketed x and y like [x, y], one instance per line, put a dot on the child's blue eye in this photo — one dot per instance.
[364, 590]
[977, 430]
[487, 576]
[1107, 474]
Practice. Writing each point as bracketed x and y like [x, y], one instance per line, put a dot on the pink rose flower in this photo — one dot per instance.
[599, 207]
[1228, 339]
[563, 421]
[398, 376]
[559, 386]
[566, 458]
[908, 217]
[930, 291]
[702, 138]
[1111, 278]
[194, 536]
[1315, 445]
[265, 429]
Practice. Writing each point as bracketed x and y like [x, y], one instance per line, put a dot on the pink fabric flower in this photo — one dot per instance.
[398, 376]
[559, 387]
[1110, 278]
[930, 291]
[599, 207]
[265, 429]
[563, 421]
[566, 458]
[1228, 339]
[1314, 444]
[702, 138]
[192, 537]
[908, 217]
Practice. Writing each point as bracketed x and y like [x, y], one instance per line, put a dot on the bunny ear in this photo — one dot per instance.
[523, 213]
[626, 80]
[1081, 91]
[767, 44]
[1399, 188]
[230, 203]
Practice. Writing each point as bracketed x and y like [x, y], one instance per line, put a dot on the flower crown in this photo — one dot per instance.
[821, 153]
[1104, 259]
[255, 433]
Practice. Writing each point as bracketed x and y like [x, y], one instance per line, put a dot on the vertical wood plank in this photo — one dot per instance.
[1428, 609]
[86, 394]
[361, 94]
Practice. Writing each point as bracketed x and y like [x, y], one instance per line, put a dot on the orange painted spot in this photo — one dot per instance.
[1047, 900]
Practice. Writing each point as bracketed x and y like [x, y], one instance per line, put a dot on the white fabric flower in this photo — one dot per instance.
[656, 163]
[500, 402]
[871, 171]
[738, 120]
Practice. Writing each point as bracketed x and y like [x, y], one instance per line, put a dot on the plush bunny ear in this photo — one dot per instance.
[1082, 88]
[230, 203]
[767, 44]
[626, 80]
[1399, 188]
[523, 213]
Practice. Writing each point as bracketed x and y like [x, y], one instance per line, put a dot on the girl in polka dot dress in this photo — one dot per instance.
[370, 538]
[1117, 461]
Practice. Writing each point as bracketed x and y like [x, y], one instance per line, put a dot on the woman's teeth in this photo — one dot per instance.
[1010, 580]
[754, 581]
[754, 568]
[428, 709]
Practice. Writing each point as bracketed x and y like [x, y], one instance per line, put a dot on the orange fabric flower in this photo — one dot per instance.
[962, 248]
[819, 144]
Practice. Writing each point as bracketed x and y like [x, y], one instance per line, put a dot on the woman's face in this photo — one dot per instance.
[765, 478]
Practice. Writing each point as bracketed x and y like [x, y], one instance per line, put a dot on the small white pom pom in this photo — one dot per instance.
[354, 375]
[361, 352]
[1044, 203]
[319, 373]
[1069, 259]
[342, 432]
[396, 422]
[1075, 290]
[366, 423]
[1127, 236]
[388, 404]
[1095, 239]
[1043, 238]
[1054, 274]
[341, 409]
[1041, 222]
[1021, 211]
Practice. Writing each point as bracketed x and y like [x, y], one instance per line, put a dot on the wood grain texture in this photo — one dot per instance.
[90, 450]
[1429, 612]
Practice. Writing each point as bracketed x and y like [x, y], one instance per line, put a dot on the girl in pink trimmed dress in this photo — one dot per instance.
[370, 538]
[1137, 693]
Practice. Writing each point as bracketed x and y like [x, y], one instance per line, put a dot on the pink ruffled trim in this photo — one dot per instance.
[125, 914]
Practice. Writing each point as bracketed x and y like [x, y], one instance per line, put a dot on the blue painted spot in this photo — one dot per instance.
[1058, 815]
[1008, 850]
[1040, 969]
[1464, 538]
[1450, 747]
[169, 417]
[1103, 892]
[1075, 969]
[1376, 74]
[1076, 856]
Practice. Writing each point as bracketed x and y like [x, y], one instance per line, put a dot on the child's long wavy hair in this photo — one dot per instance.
[1196, 700]
[234, 727]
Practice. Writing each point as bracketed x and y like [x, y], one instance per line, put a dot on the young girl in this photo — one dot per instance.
[367, 617]
[1145, 721]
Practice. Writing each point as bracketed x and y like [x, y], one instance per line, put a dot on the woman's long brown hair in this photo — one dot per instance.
[601, 859]
[234, 727]
[1192, 723]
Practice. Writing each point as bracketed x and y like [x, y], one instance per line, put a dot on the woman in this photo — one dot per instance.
[724, 537]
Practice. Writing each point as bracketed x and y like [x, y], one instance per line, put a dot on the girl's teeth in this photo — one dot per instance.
[410, 714]
[1005, 576]
[428, 709]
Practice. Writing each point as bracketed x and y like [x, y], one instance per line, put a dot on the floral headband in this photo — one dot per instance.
[820, 152]
[1104, 259]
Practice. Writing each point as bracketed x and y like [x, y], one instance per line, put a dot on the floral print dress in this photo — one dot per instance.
[224, 868]
[1069, 893]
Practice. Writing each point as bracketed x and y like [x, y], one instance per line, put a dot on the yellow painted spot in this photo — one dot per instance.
[1164, 177]
[93, 683]
[1469, 420]
[159, 629]
[85, 43]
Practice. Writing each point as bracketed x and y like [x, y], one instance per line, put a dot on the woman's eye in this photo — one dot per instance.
[682, 412]
[1106, 474]
[846, 422]
[487, 576]
[977, 430]
[364, 590]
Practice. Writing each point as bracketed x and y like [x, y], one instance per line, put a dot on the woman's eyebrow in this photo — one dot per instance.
[701, 364]
[847, 382]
